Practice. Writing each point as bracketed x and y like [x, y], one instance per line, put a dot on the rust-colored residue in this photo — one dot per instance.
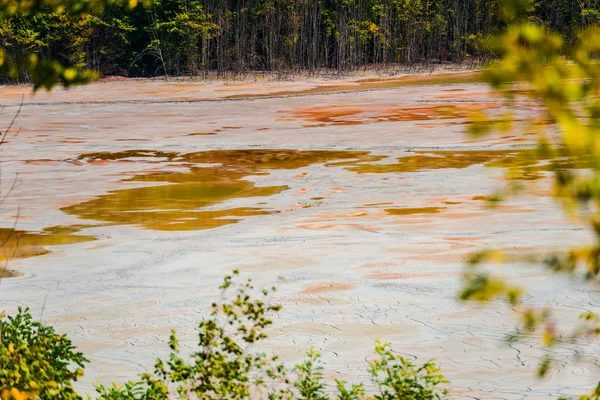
[44, 161]
[339, 227]
[384, 276]
[206, 133]
[460, 238]
[412, 211]
[202, 133]
[352, 115]
[328, 287]
[338, 189]
[300, 192]
[469, 95]
[394, 275]
[377, 83]
[377, 204]
[336, 115]
[441, 124]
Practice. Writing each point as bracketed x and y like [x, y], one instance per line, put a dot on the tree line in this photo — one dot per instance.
[191, 37]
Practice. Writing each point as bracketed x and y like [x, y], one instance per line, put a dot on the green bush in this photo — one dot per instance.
[36, 362]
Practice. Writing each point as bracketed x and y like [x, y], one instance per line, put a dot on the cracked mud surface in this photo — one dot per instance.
[367, 203]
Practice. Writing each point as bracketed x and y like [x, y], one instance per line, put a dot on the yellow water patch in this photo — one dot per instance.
[127, 154]
[214, 177]
[411, 211]
[23, 244]
[432, 160]
[174, 206]
[267, 159]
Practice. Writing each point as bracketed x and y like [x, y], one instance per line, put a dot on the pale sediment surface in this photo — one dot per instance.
[367, 202]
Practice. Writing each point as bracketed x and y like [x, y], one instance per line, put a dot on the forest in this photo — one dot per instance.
[196, 37]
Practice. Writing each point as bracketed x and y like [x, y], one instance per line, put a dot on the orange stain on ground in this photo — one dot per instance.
[416, 275]
[338, 227]
[202, 133]
[351, 115]
[376, 83]
[327, 287]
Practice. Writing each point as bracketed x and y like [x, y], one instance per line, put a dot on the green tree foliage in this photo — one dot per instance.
[48, 42]
[179, 33]
[562, 76]
[73, 41]
[36, 362]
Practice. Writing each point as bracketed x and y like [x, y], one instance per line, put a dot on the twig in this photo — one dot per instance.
[3, 136]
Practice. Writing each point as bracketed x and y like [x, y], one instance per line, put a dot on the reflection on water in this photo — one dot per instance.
[179, 202]
[23, 244]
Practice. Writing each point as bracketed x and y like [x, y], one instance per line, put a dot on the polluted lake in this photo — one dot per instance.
[130, 200]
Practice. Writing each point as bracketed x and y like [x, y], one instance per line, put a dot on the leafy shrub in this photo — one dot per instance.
[399, 378]
[36, 362]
